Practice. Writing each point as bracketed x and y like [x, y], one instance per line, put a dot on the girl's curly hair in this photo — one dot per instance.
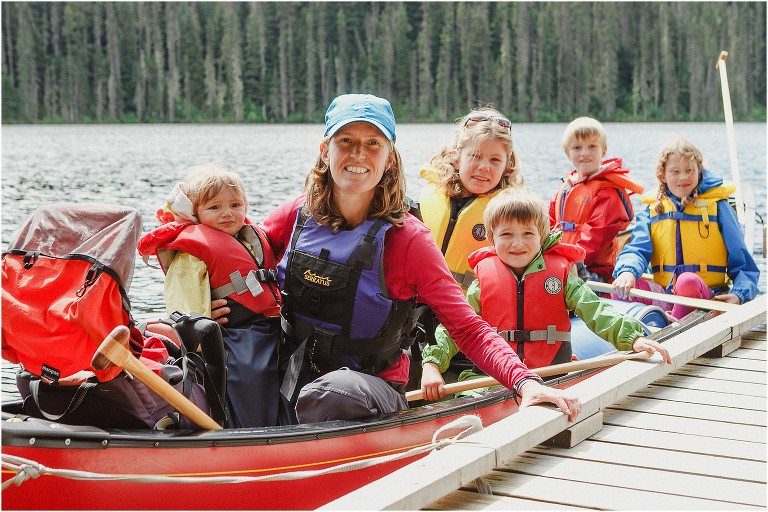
[684, 149]
[468, 134]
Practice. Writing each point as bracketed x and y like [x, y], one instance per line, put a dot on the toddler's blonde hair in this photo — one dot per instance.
[445, 161]
[516, 204]
[582, 128]
[204, 181]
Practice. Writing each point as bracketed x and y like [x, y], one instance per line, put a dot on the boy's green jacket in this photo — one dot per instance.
[602, 318]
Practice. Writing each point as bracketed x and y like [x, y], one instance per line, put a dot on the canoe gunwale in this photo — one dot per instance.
[19, 433]
[46, 434]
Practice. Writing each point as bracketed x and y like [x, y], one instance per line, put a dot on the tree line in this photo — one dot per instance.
[83, 62]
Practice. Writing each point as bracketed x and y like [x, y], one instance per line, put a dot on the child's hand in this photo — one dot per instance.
[218, 310]
[645, 345]
[432, 383]
[731, 298]
[533, 392]
[623, 283]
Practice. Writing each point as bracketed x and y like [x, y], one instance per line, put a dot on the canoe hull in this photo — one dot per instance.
[233, 453]
[230, 453]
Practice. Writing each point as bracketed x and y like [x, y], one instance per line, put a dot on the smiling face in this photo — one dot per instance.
[357, 156]
[681, 174]
[586, 153]
[517, 243]
[482, 165]
[225, 211]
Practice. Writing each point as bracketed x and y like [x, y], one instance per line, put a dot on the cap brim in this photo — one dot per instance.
[345, 122]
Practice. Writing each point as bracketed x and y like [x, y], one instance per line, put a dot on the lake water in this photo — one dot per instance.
[136, 165]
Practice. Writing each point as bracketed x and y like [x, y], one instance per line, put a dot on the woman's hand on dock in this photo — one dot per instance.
[533, 392]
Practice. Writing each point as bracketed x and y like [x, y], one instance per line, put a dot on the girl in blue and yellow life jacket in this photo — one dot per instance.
[209, 250]
[690, 236]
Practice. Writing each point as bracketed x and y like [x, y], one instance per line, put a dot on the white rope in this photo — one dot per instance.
[25, 468]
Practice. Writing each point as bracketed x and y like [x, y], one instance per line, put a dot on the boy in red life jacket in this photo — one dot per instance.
[209, 250]
[528, 289]
[593, 205]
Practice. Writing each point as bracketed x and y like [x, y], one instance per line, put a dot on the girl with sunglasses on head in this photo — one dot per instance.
[461, 178]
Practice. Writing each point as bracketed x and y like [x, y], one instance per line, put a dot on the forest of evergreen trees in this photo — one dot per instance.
[82, 62]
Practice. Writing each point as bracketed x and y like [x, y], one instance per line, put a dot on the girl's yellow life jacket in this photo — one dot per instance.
[699, 238]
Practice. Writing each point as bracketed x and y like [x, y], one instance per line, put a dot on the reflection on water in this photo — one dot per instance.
[137, 165]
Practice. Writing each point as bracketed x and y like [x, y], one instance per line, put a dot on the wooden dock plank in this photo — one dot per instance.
[724, 374]
[748, 353]
[689, 410]
[598, 496]
[468, 500]
[754, 343]
[612, 476]
[660, 459]
[681, 442]
[698, 427]
[618, 486]
[694, 396]
[716, 386]
[731, 362]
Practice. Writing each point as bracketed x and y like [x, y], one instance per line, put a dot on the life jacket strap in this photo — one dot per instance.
[250, 283]
[550, 335]
[327, 342]
[464, 280]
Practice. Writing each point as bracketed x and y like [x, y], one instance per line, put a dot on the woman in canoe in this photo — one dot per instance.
[353, 262]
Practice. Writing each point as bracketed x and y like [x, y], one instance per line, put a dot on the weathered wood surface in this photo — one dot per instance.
[546, 475]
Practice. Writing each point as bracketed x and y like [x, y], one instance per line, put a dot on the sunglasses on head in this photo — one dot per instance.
[477, 118]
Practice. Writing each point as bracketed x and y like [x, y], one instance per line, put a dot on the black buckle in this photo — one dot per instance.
[522, 336]
[266, 275]
[324, 340]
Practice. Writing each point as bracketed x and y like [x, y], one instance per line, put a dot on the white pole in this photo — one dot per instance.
[740, 206]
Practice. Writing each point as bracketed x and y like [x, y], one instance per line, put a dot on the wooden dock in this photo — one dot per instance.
[686, 436]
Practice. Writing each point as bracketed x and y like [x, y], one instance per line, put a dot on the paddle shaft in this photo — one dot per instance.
[731, 134]
[113, 349]
[714, 305]
[544, 371]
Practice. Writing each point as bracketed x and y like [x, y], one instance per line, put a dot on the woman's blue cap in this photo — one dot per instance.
[349, 108]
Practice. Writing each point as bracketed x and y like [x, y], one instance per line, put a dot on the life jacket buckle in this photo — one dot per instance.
[252, 282]
[324, 340]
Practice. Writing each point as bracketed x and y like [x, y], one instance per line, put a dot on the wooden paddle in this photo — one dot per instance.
[544, 371]
[745, 202]
[740, 206]
[714, 305]
[113, 350]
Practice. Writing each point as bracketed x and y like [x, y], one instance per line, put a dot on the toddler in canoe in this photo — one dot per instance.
[208, 250]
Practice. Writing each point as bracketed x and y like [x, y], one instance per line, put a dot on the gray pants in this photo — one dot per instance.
[344, 394]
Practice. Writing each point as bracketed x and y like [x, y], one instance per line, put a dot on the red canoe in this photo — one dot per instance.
[229, 454]
[225, 453]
